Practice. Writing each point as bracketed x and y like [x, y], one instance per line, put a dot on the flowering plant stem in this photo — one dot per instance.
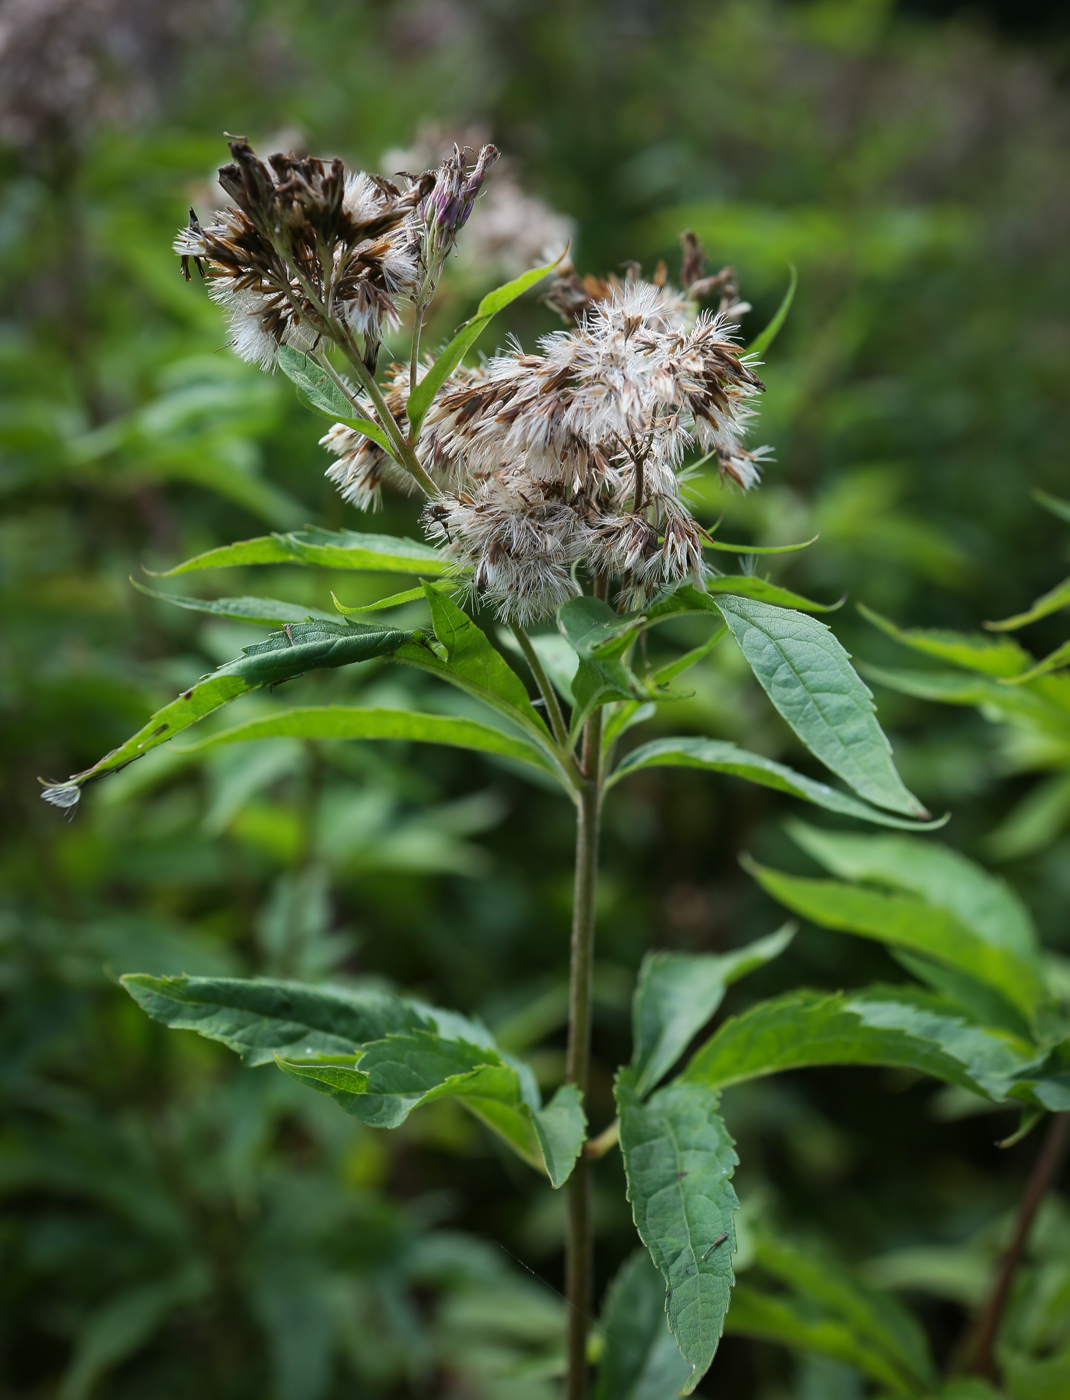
[578, 1243]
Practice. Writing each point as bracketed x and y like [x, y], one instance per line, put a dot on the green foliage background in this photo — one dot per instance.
[174, 1225]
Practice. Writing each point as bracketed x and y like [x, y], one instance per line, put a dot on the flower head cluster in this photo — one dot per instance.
[310, 252]
[571, 458]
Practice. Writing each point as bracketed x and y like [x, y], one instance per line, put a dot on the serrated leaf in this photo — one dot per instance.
[265, 612]
[903, 921]
[600, 637]
[809, 678]
[332, 549]
[259, 1019]
[354, 722]
[761, 343]
[391, 1077]
[991, 656]
[1051, 602]
[679, 1160]
[900, 1027]
[719, 756]
[305, 646]
[321, 393]
[676, 995]
[641, 1361]
[377, 1054]
[421, 398]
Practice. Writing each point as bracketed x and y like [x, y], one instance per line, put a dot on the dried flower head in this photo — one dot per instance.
[306, 251]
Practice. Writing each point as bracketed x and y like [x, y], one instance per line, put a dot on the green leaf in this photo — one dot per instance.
[1056, 660]
[266, 612]
[758, 549]
[600, 637]
[1044, 704]
[992, 656]
[332, 549]
[1053, 503]
[595, 631]
[718, 756]
[393, 1076]
[984, 902]
[1053, 601]
[689, 599]
[395, 600]
[875, 1318]
[792, 1323]
[676, 995]
[321, 393]
[378, 1054]
[809, 678]
[259, 1019]
[355, 722]
[306, 646]
[640, 1361]
[474, 665]
[561, 1128]
[903, 921]
[900, 1027]
[761, 343]
[679, 1161]
[420, 399]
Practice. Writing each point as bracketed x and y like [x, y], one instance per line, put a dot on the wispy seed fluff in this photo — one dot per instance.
[571, 458]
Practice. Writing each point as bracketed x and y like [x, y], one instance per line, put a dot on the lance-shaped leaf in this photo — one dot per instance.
[355, 722]
[1042, 704]
[915, 925]
[265, 612]
[719, 756]
[421, 398]
[641, 1361]
[991, 656]
[942, 876]
[474, 665]
[1053, 601]
[306, 646]
[262, 1018]
[676, 995]
[332, 549]
[321, 393]
[876, 1319]
[679, 1160]
[809, 678]
[761, 343]
[393, 1076]
[320, 1034]
[900, 1027]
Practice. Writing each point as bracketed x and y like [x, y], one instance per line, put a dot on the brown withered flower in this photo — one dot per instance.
[306, 251]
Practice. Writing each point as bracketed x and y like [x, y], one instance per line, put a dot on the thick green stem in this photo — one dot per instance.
[578, 1245]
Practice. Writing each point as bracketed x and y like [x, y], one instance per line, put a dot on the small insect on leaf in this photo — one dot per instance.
[719, 1240]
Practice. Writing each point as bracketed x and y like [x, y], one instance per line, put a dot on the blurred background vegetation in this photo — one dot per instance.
[174, 1225]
